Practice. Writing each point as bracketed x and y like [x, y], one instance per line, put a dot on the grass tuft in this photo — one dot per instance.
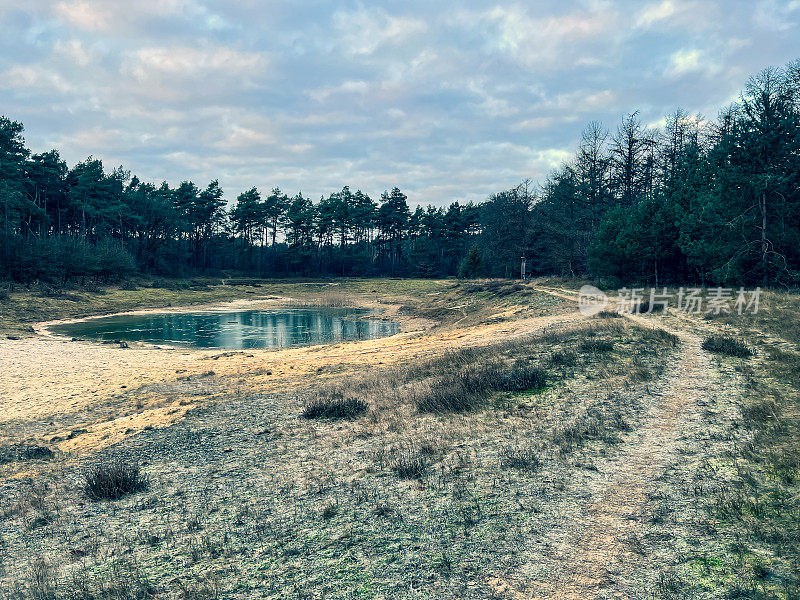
[762, 411]
[522, 458]
[42, 581]
[114, 479]
[722, 344]
[564, 358]
[597, 346]
[409, 464]
[468, 387]
[521, 377]
[334, 407]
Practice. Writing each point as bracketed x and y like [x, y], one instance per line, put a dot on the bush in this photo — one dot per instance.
[721, 344]
[462, 390]
[472, 265]
[21, 452]
[114, 479]
[455, 393]
[334, 407]
[113, 261]
[660, 336]
[173, 285]
[646, 308]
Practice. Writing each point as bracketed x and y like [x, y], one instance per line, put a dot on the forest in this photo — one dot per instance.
[691, 201]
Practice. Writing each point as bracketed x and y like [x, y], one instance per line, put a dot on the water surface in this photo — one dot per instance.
[275, 328]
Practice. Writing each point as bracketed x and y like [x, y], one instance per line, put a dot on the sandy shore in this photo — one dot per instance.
[79, 395]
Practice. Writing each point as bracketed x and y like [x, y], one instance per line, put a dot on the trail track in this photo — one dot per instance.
[603, 554]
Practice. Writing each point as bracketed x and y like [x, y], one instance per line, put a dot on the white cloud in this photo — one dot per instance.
[685, 61]
[552, 42]
[243, 130]
[37, 78]
[776, 15]
[365, 31]
[195, 75]
[84, 15]
[446, 101]
[347, 88]
[187, 61]
[655, 12]
[74, 51]
[536, 123]
[99, 15]
[242, 137]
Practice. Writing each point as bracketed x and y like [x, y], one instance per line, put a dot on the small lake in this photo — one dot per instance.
[278, 328]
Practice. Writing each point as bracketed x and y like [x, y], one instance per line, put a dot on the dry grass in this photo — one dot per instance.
[744, 541]
[248, 500]
[335, 406]
[778, 314]
[114, 478]
[723, 344]
[522, 458]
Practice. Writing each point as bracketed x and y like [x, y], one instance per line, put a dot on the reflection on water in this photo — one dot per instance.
[280, 328]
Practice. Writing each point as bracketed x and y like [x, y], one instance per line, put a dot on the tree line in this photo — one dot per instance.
[710, 202]
[694, 200]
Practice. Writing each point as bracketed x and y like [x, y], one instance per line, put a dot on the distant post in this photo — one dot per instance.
[522, 268]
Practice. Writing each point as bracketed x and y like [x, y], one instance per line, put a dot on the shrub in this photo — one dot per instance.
[21, 452]
[330, 511]
[608, 314]
[641, 373]
[450, 394]
[472, 265]
[114, 479]
[336, 406]
[722, 344]
[461, 390]
[646, 308]
[659, 335]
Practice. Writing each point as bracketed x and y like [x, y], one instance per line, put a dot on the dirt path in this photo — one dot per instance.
[604, 554]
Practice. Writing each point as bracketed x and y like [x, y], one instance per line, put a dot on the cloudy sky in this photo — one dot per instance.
[449, 100]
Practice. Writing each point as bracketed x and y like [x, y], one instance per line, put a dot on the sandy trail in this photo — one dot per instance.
[603, 554]
[601, 558]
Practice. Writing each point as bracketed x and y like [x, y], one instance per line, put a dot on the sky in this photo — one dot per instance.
[448, 100]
